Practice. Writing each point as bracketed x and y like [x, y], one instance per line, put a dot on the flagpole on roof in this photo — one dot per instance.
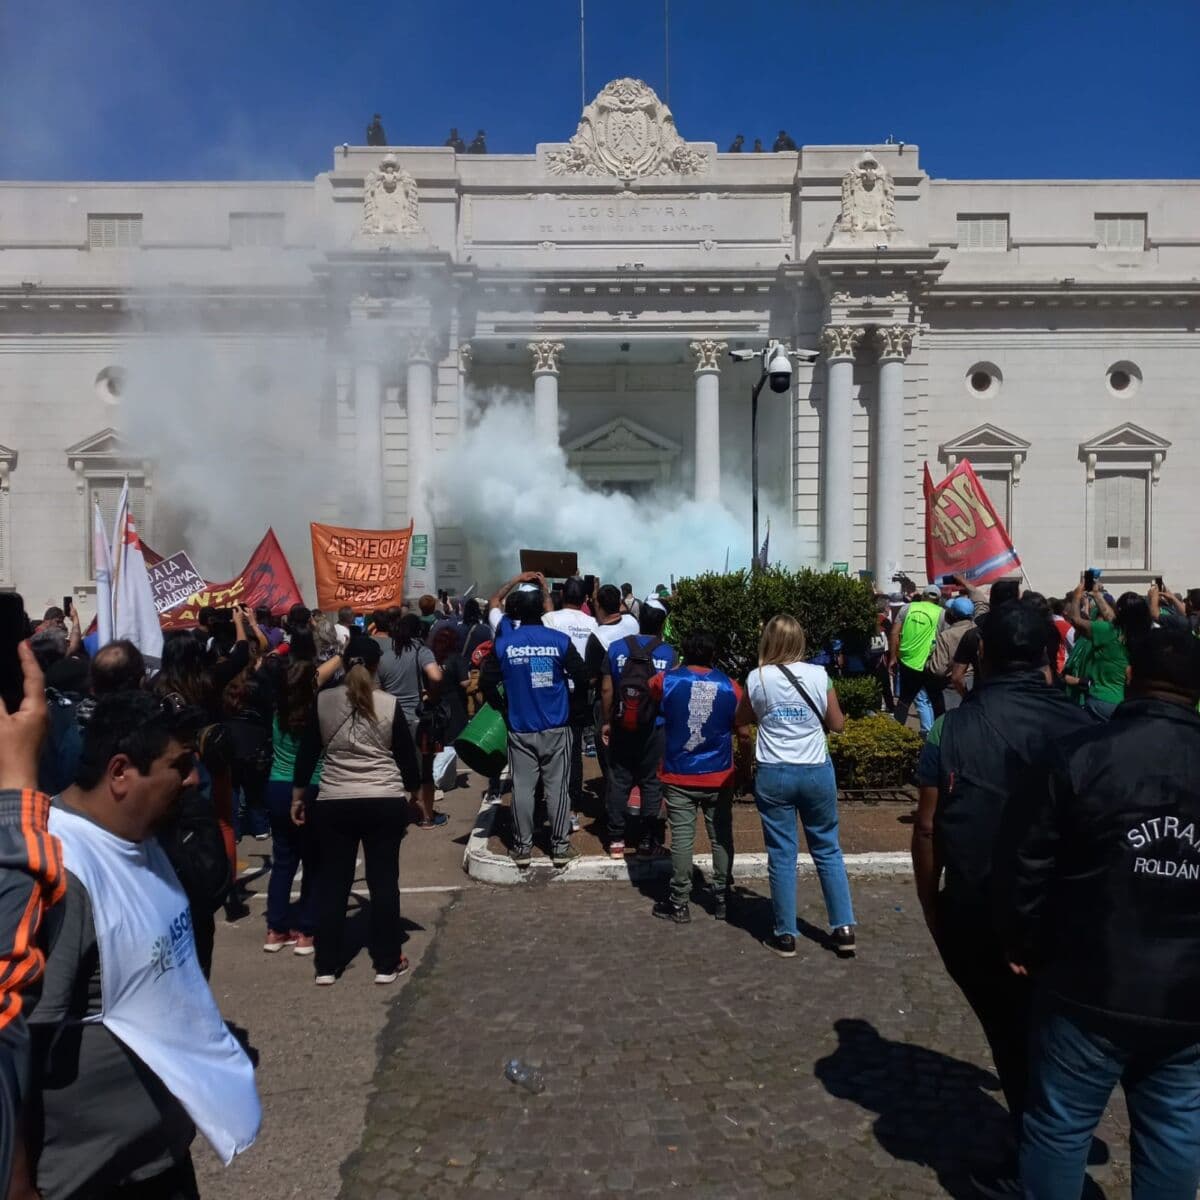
[582, 63]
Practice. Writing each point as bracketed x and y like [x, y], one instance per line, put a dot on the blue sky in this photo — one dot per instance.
[159, 89]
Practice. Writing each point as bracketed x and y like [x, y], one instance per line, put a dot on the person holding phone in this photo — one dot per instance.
[1101, 663]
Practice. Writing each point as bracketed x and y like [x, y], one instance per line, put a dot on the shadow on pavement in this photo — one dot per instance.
[934, 1110]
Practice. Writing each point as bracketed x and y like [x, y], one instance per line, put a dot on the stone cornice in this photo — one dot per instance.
[1064, 293]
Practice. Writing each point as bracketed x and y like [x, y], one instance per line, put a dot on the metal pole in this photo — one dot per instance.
[667, 52]
[582, 64]
[754, 470]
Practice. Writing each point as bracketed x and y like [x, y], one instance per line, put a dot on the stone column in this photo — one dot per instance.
[422, 568]
[887, 458]
[545, 390]
[368, 441]
[708, 418]
[837, 444]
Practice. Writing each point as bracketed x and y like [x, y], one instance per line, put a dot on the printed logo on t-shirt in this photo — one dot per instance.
[175, 947]
[702, 697]
[541, 672]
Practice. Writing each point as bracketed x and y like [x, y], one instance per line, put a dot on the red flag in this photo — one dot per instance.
[265, 582]
[963, 534]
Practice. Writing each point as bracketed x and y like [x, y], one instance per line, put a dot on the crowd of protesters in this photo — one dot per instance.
[1055, 849]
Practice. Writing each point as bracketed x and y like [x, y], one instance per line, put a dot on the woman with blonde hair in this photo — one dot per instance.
[369, 766]
[794, 705]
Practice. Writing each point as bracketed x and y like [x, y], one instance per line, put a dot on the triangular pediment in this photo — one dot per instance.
[106, 443]
[1125, 438]
[7, 456]
[984, 439]
[623, 436]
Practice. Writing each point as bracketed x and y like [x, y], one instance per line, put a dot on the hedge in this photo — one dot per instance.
[858, 695]
[875, 751]
[735, 607]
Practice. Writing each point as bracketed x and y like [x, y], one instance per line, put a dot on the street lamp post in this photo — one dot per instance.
[776, 360]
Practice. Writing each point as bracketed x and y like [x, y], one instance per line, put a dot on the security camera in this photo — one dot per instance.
[742, 355]
[779, 369]
[806, 356]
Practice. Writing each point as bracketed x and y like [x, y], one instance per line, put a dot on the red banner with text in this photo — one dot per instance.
[266, 582]
[963, 534]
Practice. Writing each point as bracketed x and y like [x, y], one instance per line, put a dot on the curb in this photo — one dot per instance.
[481, 864]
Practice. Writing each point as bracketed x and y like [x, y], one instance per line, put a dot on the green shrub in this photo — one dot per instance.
[735, 607]
[874, 751]
[859, 695]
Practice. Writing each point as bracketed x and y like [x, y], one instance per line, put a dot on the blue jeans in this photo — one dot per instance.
[291, 847]
[780, 792]
[1074, 1071]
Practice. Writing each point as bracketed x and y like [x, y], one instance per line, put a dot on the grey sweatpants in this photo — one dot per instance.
[545, 755]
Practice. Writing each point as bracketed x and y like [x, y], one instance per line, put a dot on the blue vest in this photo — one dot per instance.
[535, 681]
[663, 659]
[698, 711]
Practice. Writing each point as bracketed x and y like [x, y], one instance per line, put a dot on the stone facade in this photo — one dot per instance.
[1046, 330]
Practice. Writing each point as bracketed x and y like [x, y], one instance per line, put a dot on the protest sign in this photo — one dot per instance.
[174, 580]
[265, 582]
[554, 564]
[362, 569]
[963, 534]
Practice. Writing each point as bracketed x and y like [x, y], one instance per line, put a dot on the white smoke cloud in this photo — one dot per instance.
[509, 492]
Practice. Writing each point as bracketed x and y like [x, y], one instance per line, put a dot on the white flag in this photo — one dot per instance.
[102, 554]
[115, 559]
[134, 614]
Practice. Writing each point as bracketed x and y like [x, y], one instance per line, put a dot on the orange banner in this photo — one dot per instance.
[362, 569]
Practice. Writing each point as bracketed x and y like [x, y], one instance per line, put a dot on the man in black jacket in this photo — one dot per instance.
[976, 764]
[1106, 912]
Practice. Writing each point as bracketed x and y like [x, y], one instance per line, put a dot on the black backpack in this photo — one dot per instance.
[636, 708]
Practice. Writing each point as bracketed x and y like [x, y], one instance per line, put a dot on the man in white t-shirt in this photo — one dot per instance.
[345, 623]
[579, 627]
[528, 581]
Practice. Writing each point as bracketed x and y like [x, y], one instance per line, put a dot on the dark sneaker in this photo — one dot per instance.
[721, 905]
[521, 858]
[679, 913]
[649, 848]
[782, 944]
[996, 1185]
[842, 940]
[563, 856]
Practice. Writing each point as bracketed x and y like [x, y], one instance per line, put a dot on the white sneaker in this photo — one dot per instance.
[325, 980]
[392, 976]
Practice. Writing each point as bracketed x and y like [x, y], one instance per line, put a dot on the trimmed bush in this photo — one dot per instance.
[875, 751]
[734, 608]
[859, 695]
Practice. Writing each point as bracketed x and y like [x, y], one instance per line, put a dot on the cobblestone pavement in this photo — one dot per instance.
[681, 1057]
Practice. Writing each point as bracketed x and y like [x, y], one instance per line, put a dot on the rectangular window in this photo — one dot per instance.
[1119, 519]
[256, 229]
[1121, 231]
[996, 484]
[107, 489]
[983, 231]
[114, 231]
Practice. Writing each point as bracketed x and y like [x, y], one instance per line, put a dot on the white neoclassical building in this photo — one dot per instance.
[1046, 330]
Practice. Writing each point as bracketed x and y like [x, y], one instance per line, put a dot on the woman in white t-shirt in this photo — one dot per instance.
[793, 704]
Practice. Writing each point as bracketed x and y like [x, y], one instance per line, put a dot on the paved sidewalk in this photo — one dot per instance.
[683, 1059]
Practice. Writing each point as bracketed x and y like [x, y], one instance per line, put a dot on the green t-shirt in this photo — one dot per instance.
[283, 761]
[1107, 663]
[918, 633]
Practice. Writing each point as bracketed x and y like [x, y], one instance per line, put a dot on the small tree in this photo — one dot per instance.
[735, 607]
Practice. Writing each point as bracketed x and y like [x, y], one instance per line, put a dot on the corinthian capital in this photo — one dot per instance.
[893, 341]
[421, 345]
[841, 341]
[708, 354]
[545, 356]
